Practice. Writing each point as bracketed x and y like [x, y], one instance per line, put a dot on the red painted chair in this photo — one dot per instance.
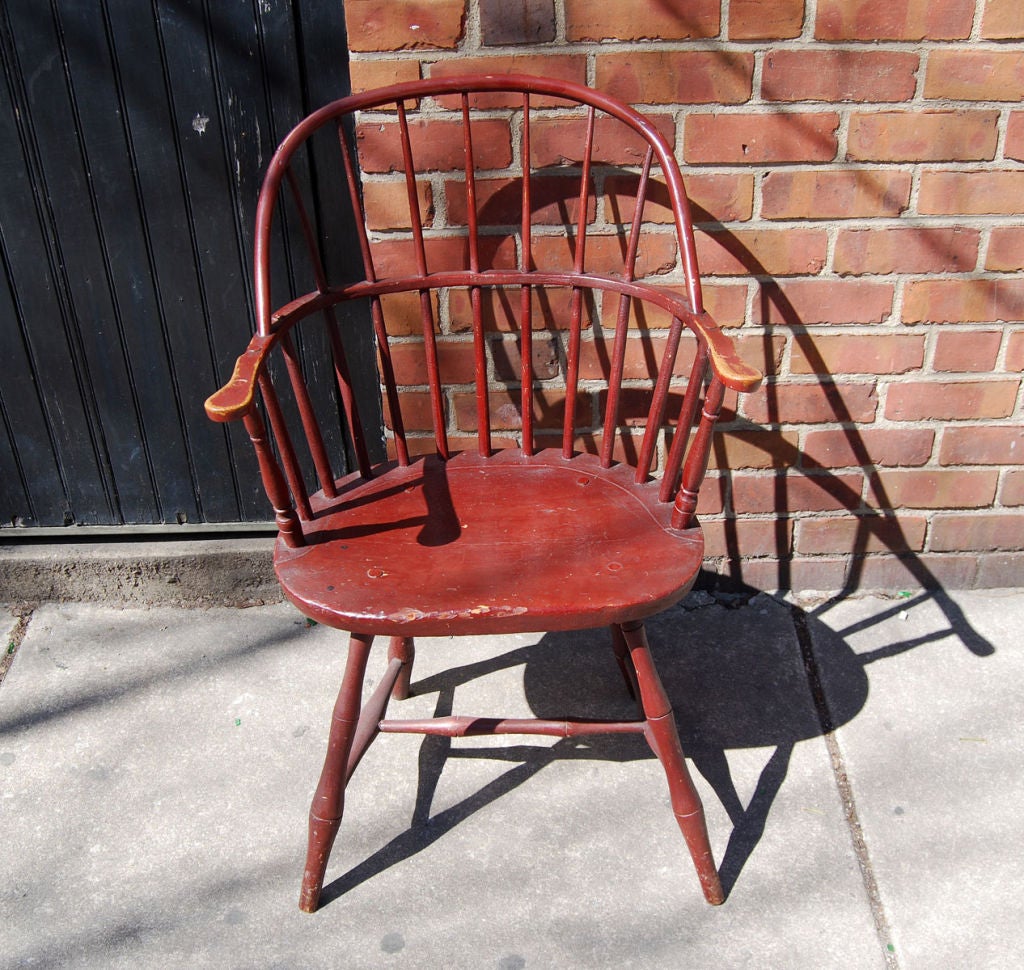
[544, 474]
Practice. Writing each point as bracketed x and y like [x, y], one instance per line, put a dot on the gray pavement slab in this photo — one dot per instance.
[156, 768]
[935, 758]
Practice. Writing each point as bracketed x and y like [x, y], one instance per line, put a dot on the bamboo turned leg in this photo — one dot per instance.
[329, 801]
[402, 648]
[663, 738]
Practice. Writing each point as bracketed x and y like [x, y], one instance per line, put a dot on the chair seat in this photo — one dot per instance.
[508, 543]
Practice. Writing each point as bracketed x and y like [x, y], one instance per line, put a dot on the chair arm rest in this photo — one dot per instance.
[726, 363]
[235, 398]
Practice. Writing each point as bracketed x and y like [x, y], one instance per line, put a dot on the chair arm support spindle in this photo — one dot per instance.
[697, 459]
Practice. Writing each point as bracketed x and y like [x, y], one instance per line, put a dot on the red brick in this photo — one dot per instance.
[839, 75]
[635, 405]
[604, 254]
[963, 301]
[744, 538]
[1003, 20]
[796, 302]
[975, 75]
[643, 357]
[986, 445]
[1014, 146]
[897, 250]
[561, 67]
[726, 304]
[796, 493]
[402, 313]
[601, 20]
[403, 24]
[763, 351]
[561, 141]
[753, 449]
[416, 411]
[861, 534]
[897, 20]
[932, 489]
[778, 252]
[923, 136]
[765, 19]
[811, 403]
[625, 445]
[971, 193]
[716, 196]
[852, 194]
[436, 145]
[676, 77]
[1012, 492]
[999, 570]
[817, 573]
[508, 358]
[971, 351]
[501, 309]
[890, 573]
[530, 22]
[396, 257]
[951, 400]
[366, 75]
[761, 138]
[455, 362]
[506, 412]
[856, 354]
[711, 497]
[893, 447]
[1015, 351]
[387, 204]
[1006, 249]
[642, 315]
[554, 200]
[954, 533]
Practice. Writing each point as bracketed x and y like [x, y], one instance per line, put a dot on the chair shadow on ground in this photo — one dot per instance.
[730, 691]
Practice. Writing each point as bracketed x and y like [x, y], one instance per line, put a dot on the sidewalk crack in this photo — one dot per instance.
[842, 780]
[22, 613]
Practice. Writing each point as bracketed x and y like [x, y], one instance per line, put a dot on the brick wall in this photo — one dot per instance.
[856, 167]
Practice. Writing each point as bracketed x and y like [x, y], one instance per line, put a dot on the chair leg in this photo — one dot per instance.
[663, 738]
[404, 649]
[621, 649]
[329, 801]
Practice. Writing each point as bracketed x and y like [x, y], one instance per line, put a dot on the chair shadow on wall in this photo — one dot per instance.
[797, 681]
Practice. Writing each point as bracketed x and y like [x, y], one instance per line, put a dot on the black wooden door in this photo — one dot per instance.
[133, 136]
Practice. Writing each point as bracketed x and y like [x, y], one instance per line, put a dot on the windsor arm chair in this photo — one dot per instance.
[543, 472]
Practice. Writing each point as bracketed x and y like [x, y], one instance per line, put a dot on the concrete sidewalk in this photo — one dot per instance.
[861, 763]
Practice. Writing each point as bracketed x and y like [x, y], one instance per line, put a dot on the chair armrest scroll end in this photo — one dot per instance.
[235, 399]
[229, 403]
[734, 372]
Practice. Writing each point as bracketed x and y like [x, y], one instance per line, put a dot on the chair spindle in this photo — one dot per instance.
[376, 311]
[306, 413]
[659, 401]
[576, 309]
[611, 411]
[526, 293]
[483, 415]
[687, 412]
[426, 311]
[289, 461]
